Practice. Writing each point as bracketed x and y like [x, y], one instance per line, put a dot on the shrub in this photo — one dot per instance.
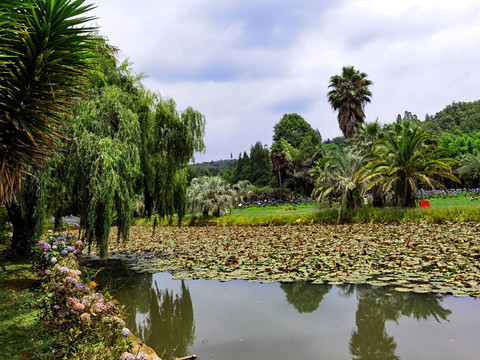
[88, 323]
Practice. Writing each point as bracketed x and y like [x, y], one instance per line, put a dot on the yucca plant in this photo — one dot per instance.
[44, 47]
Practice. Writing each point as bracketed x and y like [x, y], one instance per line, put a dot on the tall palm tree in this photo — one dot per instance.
[278, 158]
[45, 49]
[349, 94]
[403, 160]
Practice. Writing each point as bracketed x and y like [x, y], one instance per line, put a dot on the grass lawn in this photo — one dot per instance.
[21, 334]
[464, 201]
[308, 207]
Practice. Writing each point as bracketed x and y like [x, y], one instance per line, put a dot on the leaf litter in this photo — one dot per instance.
[415, 257]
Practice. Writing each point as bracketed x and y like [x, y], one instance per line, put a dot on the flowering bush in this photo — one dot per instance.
[88, 323]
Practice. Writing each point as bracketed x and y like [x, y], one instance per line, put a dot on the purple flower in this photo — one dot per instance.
[53, 260]
[63, 252]
[46, 247]
[69, 248]
[125, 331]
[71, 280]
[69, 236]
[79, 286]
[41, 242]
[64, 269]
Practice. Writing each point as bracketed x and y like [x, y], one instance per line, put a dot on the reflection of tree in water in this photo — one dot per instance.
[370, 340]
[170, 326]
[305, 296]
[377, 305]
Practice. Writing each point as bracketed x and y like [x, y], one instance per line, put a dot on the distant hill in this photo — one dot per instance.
[214, 167]
[463, 116]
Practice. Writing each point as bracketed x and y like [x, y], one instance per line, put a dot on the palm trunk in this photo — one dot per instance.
[377, 199]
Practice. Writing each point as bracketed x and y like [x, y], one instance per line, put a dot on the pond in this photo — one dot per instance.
[246, 320]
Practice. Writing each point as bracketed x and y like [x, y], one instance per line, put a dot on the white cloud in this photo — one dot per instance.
[243, 64]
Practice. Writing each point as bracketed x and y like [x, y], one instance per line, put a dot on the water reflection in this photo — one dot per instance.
[370, 340]
[170, 324]
[304, 296]
[376, 305]
[244, 320]
[162, 318]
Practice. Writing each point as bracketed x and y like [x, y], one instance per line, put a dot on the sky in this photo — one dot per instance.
[246, 63]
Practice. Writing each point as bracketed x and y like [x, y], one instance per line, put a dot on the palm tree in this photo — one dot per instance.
[334, 176]
[403, 160]
[244, 190]
[45, 49]
[349, 94]
[210, 194]
[470, 169]
[278, 158]
[363, 143]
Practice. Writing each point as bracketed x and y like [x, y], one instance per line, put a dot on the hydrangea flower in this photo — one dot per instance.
[64, 269]
[69, 248]
[125, 331]
[85, 317]
[79, 307]
[63, 252]
[47, 247]
[53, 260]
[79, 286]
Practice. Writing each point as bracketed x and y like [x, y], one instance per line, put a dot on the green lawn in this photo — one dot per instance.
[22, 335]
[464, 201]
[304, 208]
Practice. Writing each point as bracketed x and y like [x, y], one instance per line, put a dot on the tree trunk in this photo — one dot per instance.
[377, 199]
[350, 201]
[409, 199]
[26, 215]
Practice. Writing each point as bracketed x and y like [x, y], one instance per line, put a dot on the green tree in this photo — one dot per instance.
[403, 160]
[170, 140]
[211, 194]
[462, 116]
[103, 155]
[45, 48]
[261, 173]
[294, 129]
[349, 94]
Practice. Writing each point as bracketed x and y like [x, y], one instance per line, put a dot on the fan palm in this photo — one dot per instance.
[45, 49]
[210, 194]
[334, 176]
[470, 169]
[402, 160]
[349, 94]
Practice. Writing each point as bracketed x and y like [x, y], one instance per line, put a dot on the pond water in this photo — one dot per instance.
[243, 320]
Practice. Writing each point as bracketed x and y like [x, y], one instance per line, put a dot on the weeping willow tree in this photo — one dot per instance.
[169, 141]
[103, 157]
